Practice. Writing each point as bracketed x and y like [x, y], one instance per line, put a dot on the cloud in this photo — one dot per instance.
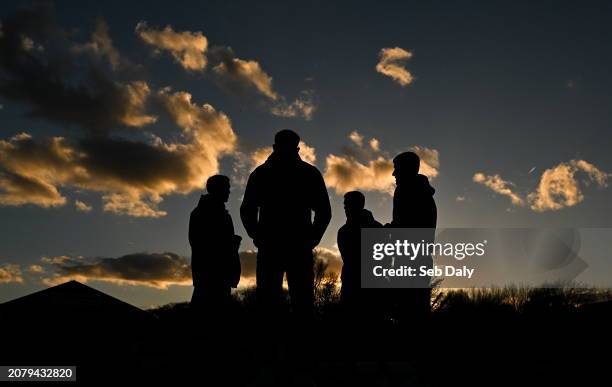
[239, 75]
[82, 206]
[344, 173]
[36, 269]
[17, 190]
[10, 273]
[500, 186]
[101, 44]
[233, 74]
[363, 166]
[430, 160]
[391, 63]
[356, 138]
[186, 47]
[132, 175]
[303, 106]
[65, 81]
[157, 270]
[558, 187]
[190, 50]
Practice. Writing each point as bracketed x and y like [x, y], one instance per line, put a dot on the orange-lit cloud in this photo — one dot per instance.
[236, 75]
[344, 173]
[363, 166]
[558, 187]
[36, 269]
[82, 206]
[65, 81]
[133, 176]
[239, 75]
[10, 273]
[500, 186]
[157, 270]
[186, 47]
[391, 63]
[154, 270]
[101, 44]
[303, 106]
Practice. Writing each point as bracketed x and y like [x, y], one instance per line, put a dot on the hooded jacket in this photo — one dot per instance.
[414, 205]
[214, 248]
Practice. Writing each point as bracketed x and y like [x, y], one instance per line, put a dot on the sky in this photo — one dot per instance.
[113, 114]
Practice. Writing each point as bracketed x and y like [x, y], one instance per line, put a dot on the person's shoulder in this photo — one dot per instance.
[310, 169]
[196, 212]
[259, 170]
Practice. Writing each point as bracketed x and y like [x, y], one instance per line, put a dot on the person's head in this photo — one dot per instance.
[406, 166]
[286, 142]
[354, 202]
[218, 186]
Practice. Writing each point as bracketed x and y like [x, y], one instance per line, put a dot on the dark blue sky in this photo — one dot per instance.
[500, 88]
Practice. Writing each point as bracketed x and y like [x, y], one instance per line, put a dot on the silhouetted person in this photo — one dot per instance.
[215, 264]
[414, 207]
[277, 212]
[349, 244]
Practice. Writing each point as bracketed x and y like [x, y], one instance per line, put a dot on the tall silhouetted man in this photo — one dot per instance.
[215, 264]
[414, 207]
[349, 244]
[277, 212]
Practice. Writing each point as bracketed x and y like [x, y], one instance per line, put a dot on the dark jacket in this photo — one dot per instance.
[214, 247]
[414, 205]
[279, 200]
[349, 244]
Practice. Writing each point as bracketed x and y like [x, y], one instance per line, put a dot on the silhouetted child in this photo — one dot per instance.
[349, 244]
[215, 264]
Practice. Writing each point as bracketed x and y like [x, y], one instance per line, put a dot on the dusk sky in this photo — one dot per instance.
[113, 114]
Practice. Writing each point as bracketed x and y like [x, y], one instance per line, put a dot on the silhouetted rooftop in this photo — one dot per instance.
[71, 300]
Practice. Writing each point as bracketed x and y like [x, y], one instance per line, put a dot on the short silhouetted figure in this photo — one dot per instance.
[414, 207]
[349, 244]
[277, 212]
[215, 263]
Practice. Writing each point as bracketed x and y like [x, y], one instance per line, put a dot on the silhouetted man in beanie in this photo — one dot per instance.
[414, 207]
[277, 212]
[215, 264]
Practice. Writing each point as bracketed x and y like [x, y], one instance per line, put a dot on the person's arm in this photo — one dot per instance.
[194, 228]
[250, 207]
[321, 208]
[341, 240]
